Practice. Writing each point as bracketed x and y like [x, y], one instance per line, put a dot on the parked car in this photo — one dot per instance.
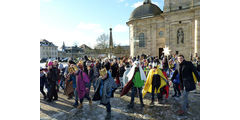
[43, 60]
[64, 59]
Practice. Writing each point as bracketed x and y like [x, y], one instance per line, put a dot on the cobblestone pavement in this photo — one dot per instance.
[62, 109]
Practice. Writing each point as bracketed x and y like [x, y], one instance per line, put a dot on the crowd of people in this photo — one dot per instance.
[141, 75]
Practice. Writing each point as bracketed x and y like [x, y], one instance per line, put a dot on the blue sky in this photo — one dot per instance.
[82, 21]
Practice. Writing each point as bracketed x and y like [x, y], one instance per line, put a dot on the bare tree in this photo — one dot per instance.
[102, 41]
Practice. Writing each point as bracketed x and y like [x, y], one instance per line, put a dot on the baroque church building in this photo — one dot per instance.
[176, 27]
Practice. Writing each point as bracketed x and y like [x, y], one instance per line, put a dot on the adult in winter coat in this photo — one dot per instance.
[62, 78]
[73, 70]
[165, 64]
[85, 69]
[43, 80]
[70, 79]
[90, 74]
[176, 84]
[185, 69]
[82, 88]
[52, 77]
[115, 69]
[121, 72]
[104, 86]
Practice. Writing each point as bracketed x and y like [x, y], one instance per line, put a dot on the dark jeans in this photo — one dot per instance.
[176, 89]
[161, 93]
[76, 95]
[41, 89]
[62, 83]
[52, 92]
[134, 90]
[86, 96]
[153, 89]
[108, 106]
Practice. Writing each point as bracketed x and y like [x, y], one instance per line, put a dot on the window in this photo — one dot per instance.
[180, 7]
[141, 40]
[161, 33]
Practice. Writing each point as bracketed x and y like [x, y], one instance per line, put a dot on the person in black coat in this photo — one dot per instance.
[115, 69]
[121, 72]
[85, 69]
[52, 77]
[43, 80]
[185, 69]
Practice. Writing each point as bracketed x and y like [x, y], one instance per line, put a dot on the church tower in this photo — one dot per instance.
[63, 47]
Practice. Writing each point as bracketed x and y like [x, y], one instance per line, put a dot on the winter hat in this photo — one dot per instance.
[50, 63]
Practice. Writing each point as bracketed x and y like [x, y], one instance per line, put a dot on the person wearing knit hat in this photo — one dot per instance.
[82, 88]
[52, 77]
[50, 63]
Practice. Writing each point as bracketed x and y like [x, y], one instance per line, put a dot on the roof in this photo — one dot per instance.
[44, 42]
[146, 10]
[83, 46]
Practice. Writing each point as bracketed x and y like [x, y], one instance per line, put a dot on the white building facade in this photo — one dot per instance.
[48, 49]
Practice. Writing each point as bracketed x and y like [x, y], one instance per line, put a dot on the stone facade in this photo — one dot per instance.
[177, 27]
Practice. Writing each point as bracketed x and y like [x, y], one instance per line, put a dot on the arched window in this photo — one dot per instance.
[141, 40]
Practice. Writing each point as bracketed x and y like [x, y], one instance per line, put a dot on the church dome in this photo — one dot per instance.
[146, 10]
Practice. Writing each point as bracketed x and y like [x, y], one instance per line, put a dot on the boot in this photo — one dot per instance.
[130, 105]
[174, 95]
[152, 103]
[80, 106]
[142, 105]
[45, 97]
[75, 104]
[179, 95]
[90, 102]
[69, 97]
[49, 100]
[160, 101]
